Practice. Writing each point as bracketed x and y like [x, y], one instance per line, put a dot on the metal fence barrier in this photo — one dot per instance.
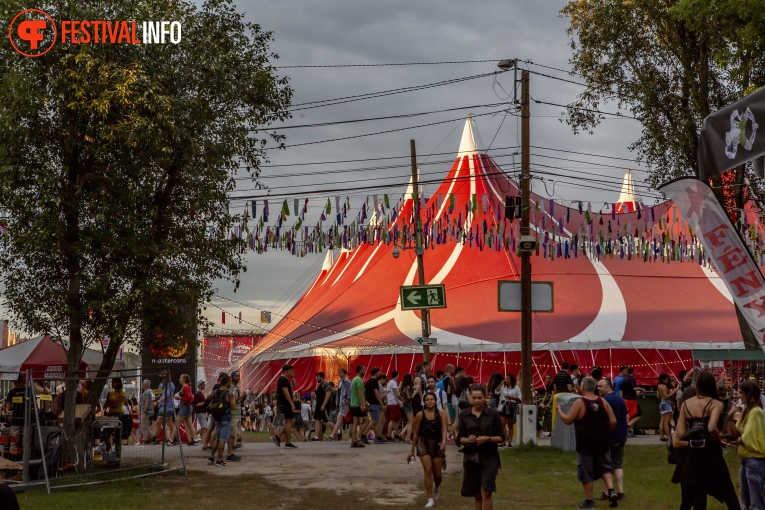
[106, 447]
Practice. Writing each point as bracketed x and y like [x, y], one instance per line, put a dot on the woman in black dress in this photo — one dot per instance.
[480, 433]
[429, 438]
[701, 468]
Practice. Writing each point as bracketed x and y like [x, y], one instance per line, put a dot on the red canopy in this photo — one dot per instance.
[45, 357]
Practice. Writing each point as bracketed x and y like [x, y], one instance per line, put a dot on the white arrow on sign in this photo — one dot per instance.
[414, 298]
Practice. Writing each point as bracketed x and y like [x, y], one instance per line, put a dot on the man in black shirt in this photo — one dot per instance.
[323, 395]
[374, 403]
[562, 381]
[593, 420]
[286, 405]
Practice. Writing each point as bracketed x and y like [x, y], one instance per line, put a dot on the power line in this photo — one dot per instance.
[380, 132]
[401, 116]
[338, 66]
[371, 95]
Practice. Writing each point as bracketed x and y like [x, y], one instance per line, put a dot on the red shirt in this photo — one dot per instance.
[187, 397]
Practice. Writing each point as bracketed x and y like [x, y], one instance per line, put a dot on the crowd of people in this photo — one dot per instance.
[700, 416]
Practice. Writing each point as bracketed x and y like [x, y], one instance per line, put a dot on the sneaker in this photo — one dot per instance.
[587, 503]
[219, 463]
[603, 497]
[238, 446]
[356, 444]
[365, 440]
[290, 445]
[211, 461]
[545, 434]
[234, 458]
[276, 440]
[191, 444]
[613, 498]
[430, 503]
[328, 437]
[380, 441]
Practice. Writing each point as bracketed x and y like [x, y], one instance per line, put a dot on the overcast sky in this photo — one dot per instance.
[333, 32]
[337, 32]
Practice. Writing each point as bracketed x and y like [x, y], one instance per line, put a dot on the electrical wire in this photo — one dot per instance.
[338, 66]
[376, 133]
[401, 116]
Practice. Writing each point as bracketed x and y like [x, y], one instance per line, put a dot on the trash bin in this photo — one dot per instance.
[563, 436]
[107, 441]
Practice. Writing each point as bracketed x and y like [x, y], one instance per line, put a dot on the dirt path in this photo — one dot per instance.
[381, 470]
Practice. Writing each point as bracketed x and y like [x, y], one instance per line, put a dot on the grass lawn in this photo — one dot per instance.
[538, 478]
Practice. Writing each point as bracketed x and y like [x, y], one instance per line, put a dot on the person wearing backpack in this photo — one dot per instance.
[220, 410]
[701, 469]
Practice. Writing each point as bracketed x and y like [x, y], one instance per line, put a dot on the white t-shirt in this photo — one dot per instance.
[505, 393]
[305, 412]
[392, 400]
[269, 411]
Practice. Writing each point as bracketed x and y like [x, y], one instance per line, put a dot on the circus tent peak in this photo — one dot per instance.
[471, 142]
[627, 201]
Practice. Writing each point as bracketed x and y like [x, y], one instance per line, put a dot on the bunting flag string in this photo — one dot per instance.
[575, 232]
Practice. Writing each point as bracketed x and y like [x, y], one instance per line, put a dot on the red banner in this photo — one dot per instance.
[220, 352]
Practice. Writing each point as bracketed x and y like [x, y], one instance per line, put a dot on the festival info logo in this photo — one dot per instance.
[33, 32]
[738, 132]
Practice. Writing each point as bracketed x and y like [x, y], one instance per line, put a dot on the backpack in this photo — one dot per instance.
[698, 434]
[441, 385]
[219, 405]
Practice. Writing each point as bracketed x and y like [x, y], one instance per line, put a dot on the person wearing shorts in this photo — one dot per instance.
[618, 435]
[343, 403]
[166, 413]
[374, 399]
[358, 409]
[222, 426]
[593, 421]
[286, 405]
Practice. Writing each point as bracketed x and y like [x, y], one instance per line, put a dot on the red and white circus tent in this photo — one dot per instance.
[616, 303]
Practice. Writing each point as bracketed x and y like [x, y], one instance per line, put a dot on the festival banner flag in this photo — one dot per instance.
[285, 209]
[724, 247]
[728, 137]
[265, 317]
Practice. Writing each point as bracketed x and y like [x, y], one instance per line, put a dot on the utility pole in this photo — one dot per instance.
[526, 377]
[418, 246]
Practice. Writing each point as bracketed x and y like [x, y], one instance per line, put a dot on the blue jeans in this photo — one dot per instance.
[752, 473]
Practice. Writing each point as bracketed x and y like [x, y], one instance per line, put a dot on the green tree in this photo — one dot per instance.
[670, 63]
[116, 161]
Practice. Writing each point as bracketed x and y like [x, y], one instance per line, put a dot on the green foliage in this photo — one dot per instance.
[116, 162]
[670, 63]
